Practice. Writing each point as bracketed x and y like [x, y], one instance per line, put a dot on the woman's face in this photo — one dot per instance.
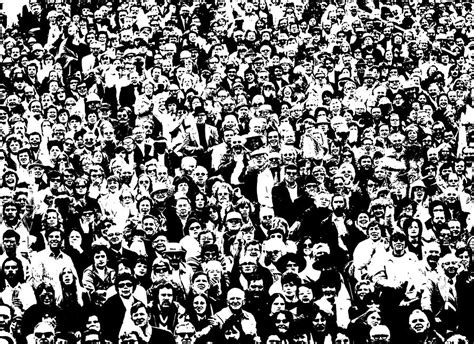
[10, 179]
[278, 305]
[145, 207]
[373, 319]
[413, 230]
[113, 186]
[46, 297]
[464, 257]
[199, 305]
[305, 294]
[75, 237]
[183, 187]
[213, 215]
[97, 158]
[307, 247]
[140, 269]
[200, 201]
[68, 277]
[52, 219]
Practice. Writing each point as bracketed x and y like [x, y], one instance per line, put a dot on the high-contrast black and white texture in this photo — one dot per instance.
[236, 171]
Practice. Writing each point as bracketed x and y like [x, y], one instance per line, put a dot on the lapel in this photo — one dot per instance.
[207, 132]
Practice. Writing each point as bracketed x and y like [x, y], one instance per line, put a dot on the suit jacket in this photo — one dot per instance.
[115, 256]
[127, 95]
[282, 204]
[112, 315]
[435, 299]
[175, 228]
[161, 336]
[210, 132]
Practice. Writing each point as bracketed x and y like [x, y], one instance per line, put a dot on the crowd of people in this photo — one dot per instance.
[236, 171]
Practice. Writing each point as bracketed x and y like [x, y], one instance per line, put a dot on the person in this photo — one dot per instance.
[98, 277]
[340, 132]
[44, 333]
[420, 328]
[141, 318]
[165, 310]
[16, 292]
[50, 261]
[116, 310]
[235, 303]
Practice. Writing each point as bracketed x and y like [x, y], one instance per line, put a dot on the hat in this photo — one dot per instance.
[36, 163]
[259, 151]
[92, 98]
[233, 215]
[199, 110]
[129, 52]
[160, 186]
[174, 247]
[291, 257]
[37, 47]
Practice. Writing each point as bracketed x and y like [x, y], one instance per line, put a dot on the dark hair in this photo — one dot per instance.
[136, 306]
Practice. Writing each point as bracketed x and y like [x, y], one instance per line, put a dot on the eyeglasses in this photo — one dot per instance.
[160, 270]
[185, 334]
[125, 284]
[44, 334]
[281, 321]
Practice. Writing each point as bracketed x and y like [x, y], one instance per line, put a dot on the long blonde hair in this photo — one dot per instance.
[76, 283]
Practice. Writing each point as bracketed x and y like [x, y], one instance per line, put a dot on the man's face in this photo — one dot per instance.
[450, 267]
[10, 212]
[256, 288]
[419, 323]
[100, 259]
[290, 175]
[114, 236]
[235, 302]
[5, 318]
[200, 176]
[140, 317]
[93, 323]
[9, 244]
[54, 240]
[183, 208]
[165, 298]
[149, 226]
[10, 269]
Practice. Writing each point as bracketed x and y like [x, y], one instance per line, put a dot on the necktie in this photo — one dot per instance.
[451, 299]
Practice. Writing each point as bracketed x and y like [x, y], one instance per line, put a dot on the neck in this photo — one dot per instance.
[56, 250]
[398, 253]
[13, 282]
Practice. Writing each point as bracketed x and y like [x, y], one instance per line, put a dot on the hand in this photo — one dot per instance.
[213, 321]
